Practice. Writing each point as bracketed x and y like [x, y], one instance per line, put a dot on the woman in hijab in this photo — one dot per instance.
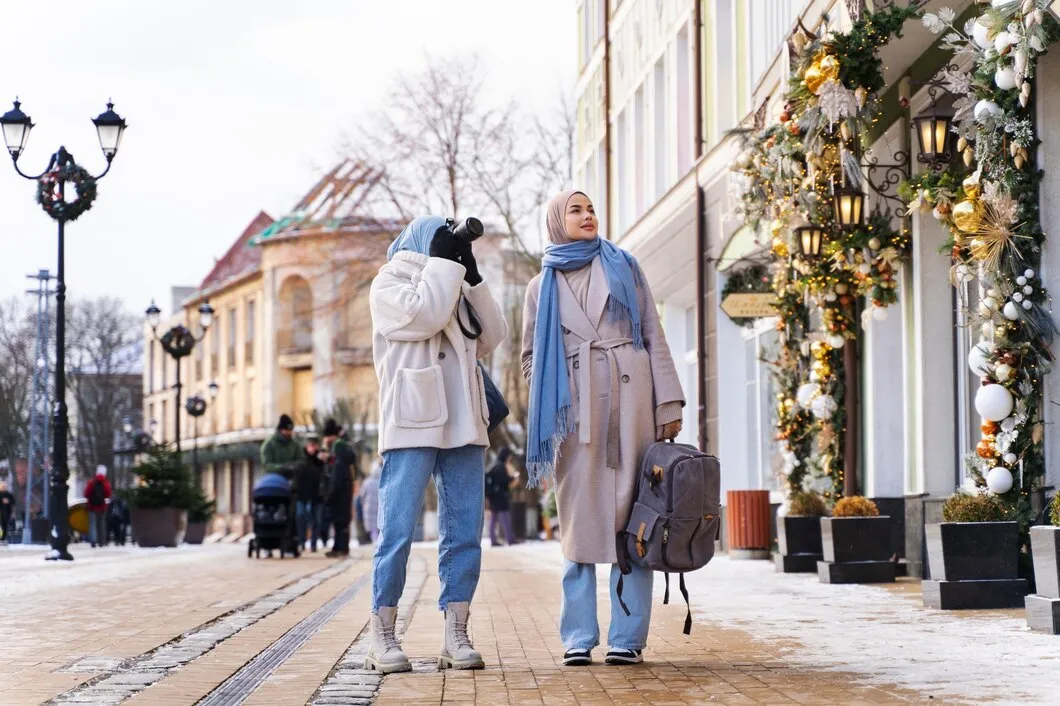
[433, 419]
[594, 355]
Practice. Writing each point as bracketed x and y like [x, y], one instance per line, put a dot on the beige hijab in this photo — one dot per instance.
[556, 217]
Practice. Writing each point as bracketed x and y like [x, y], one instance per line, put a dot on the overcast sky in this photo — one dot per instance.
[233, 107]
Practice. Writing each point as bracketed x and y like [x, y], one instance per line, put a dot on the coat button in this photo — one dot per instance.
[575, 365]
[441, 356]
[625, 378]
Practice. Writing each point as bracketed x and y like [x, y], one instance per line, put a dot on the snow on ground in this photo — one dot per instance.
[883, 635]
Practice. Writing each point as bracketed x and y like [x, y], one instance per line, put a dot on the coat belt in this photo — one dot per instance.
[583, 353]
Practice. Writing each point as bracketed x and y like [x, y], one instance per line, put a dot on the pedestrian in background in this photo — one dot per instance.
[118, 520]
[97, 493]
[369, 497]
[340, 491]
[308, 481]
[7, 510]
[594, 353]
[499, 483]
[281, 453]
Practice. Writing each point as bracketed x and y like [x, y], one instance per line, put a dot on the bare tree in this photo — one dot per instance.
[17, 331]
[104, 384]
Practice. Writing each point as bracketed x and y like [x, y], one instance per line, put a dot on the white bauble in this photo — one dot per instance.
[880, 313]
[978, 358]
[824, 406]
[981, 34]
[837, 342]
[1028, 273]
[939, 215]
[805, 394]
[993, 402]
[804, 348]
[865, 268]
[992, 293]
[985, 109]
[987, 329]
[1017, 297]
[1027, 304]
[1005, 78]
[744, 160]
[830, 297]
[1010, 458]
[1004, 372]
[999, 480]
[984, 310]
[874, 243]
[1011, 311]
[1021, 280]
[1003, 41]
[841, 288]
[1028, 290]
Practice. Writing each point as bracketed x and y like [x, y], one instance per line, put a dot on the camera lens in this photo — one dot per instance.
[469, 230]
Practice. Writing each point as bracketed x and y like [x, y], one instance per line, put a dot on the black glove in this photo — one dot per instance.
[467, 259]
[445, 245]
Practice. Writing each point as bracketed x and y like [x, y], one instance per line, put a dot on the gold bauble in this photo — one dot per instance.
[814, 77]
[967, 216]
[971, 186]
[780, 248]
[776, 228]
[830, 68]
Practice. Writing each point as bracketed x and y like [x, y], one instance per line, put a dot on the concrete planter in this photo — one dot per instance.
[799, 541]
[158, 527]
[856, 550]
[196, 533]
[974, 565]
[1043, 608]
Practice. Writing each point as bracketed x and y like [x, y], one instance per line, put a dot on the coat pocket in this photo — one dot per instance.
[483, 404]
[420, 397]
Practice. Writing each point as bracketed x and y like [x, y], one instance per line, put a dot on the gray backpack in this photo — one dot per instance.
[676, 516]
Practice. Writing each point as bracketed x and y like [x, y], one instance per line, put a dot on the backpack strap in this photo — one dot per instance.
[688, 606]
[618, 593]
[666, 595]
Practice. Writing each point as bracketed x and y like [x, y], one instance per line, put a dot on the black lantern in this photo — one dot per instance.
[17, 126]
[205, 314]
[213, 389]
[110, 126]
[849, 205]
[933, 134]
[810, 238]
[154, 315]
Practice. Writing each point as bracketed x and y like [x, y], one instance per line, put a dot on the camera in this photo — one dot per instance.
[467, 231]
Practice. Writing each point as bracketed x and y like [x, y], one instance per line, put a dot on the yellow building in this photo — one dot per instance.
[291, 335]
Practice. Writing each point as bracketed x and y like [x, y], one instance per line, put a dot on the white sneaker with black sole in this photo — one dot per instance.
[577, 658]
[624, 657]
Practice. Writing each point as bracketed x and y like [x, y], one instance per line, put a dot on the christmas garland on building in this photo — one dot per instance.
[788, 173]
[992, 212]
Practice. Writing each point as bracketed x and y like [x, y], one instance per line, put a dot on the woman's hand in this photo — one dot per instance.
[669, 431]
[445, 245]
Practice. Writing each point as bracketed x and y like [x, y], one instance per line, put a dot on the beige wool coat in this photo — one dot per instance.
[620, 395]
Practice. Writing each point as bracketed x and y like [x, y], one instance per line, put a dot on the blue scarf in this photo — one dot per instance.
[417, 236]
[550, 417]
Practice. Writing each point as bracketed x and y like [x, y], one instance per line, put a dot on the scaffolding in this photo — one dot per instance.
[39, 416]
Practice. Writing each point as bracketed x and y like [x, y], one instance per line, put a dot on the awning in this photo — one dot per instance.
[745, 244]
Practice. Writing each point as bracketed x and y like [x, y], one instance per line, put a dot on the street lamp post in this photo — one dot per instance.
[51, 194]
[196, 407]
[179, 342]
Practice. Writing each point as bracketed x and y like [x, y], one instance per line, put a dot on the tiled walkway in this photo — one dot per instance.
[83, 633]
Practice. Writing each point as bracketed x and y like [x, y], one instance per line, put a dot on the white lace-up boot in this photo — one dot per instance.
[457, 652]
[384, 653]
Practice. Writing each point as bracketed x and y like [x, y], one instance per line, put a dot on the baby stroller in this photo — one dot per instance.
[274, 518]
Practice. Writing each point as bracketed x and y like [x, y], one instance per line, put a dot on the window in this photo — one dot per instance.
[199, 360]
[248, 346]
[151, 367]
[590, 29]
[232, 337]
[248, 391]
[685, 148]
[220, 487]
[725, 63]
[768, 24]
[621, 169]
[295, 334]
[238, 486]
[230, 407]
[661, 130]
[163, 421]
[215, 349]
[762, 451]
[640, 173]
[165, 371]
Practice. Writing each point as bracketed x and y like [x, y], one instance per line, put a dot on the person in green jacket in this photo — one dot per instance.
[282, 453]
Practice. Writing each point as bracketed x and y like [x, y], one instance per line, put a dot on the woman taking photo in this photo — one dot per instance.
[433, 417]
[594, 354]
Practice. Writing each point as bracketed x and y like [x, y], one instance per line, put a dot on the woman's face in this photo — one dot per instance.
[580, 218]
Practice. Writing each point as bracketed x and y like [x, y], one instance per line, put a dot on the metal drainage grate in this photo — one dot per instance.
[254, 673]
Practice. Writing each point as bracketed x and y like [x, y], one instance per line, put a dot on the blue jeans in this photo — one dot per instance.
[577, 619]
[459, 475]
[307, 517]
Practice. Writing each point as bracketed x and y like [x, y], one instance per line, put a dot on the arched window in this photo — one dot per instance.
[295, 333]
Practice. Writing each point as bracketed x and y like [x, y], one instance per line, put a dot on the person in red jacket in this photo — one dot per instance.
[97, 493]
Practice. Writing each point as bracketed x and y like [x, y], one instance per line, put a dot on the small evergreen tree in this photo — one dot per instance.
[163, 481]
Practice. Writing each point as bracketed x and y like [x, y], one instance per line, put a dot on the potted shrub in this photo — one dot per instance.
[856, 543]
[159, 502]
[799, 533]
[1043, 608]
[973, 556]
[199, 515]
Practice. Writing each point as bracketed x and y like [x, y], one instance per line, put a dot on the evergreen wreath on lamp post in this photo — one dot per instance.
[51, 191]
